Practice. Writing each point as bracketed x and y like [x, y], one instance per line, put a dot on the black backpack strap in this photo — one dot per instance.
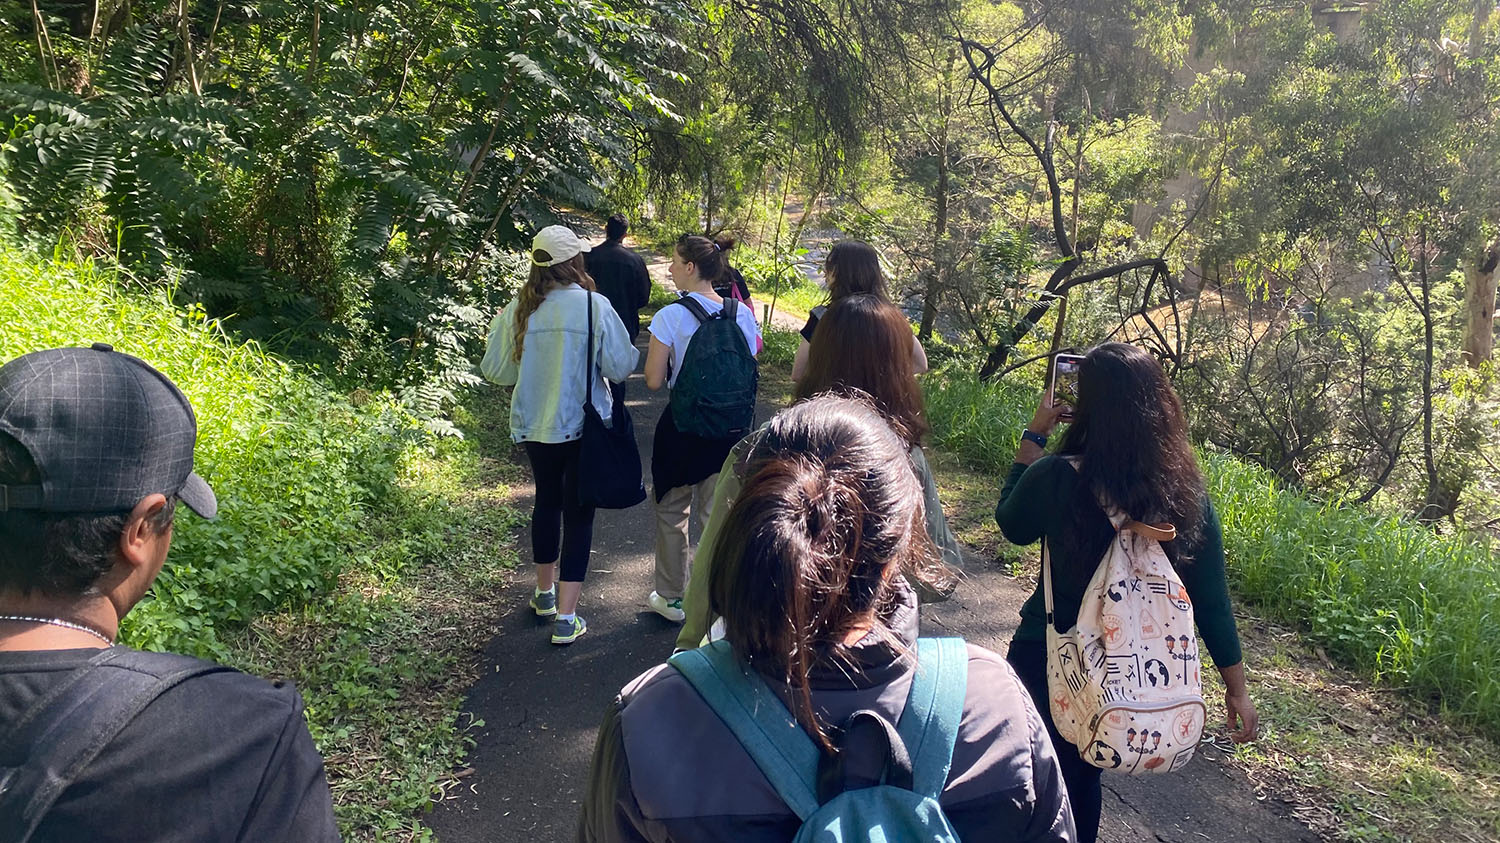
[730, 306]
[59, 736]
[694, 308]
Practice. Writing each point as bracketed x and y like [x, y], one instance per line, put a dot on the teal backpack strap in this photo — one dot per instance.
[772, 738]
[934, 707]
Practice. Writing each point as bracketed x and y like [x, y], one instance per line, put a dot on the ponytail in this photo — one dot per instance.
[707, 255]
[831, 511]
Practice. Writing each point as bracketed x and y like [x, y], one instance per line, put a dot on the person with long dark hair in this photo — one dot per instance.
[852, 268]
[685, 465]
[863, 348]
[1127, 447]
[808, 581]
[539, 345]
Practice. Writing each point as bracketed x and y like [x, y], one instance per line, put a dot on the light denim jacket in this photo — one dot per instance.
[547, 405]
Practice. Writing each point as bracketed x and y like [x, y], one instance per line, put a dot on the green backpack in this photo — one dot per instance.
[714, 396]
[904, 805]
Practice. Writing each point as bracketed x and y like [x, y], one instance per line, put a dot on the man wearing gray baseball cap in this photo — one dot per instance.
[98, 741]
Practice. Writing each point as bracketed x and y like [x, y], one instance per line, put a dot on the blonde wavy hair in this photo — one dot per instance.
[543, 280]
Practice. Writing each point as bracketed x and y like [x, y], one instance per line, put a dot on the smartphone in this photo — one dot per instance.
[1063, 388]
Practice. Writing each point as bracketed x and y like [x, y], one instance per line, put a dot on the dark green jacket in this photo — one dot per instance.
[1034, 504]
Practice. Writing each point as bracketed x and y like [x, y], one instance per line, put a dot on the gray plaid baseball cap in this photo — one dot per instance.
[105, 430]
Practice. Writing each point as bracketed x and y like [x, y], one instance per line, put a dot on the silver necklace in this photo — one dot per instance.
[62, 623]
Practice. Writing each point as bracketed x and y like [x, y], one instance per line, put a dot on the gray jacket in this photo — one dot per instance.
[666, 768]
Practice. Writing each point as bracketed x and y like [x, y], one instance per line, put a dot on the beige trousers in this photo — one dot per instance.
[674, 555]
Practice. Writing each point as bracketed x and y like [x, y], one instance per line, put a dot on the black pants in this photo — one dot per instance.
[1029, 658]
[557, 516]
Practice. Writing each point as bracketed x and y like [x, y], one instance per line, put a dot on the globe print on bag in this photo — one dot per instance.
[1124, 681]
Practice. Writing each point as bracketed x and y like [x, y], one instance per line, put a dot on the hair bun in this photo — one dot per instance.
[724, 242]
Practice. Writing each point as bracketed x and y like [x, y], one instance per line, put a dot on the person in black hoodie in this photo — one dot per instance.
[807, 581]
[620, 274]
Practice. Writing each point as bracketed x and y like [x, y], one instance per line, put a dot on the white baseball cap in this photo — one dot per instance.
[560, 242]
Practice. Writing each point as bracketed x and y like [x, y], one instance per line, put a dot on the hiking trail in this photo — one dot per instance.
[542, 704]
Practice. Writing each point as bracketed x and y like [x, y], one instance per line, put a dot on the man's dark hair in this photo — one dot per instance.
[615, 227]
[59, 554]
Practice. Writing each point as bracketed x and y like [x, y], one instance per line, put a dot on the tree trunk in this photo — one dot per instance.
[184, 31]
[1482, 11]
[312, 50]
[940, 256]
[1440, 501]
[1479, 305]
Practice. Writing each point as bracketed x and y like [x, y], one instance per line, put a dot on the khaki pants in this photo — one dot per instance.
[674, 556]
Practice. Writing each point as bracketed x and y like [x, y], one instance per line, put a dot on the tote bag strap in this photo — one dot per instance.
[588, 360]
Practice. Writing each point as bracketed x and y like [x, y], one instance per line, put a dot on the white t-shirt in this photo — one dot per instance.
[674, 325]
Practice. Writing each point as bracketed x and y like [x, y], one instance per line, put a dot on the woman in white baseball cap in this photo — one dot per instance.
[538, 346]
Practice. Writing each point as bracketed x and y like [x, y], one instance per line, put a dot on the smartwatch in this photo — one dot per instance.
[1033, 436]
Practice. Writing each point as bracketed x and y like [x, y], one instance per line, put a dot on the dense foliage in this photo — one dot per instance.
[296, 467]
[340, 177]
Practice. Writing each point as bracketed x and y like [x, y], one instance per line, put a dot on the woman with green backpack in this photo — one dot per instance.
[822, 669]
[702, 349]
[1128, 445]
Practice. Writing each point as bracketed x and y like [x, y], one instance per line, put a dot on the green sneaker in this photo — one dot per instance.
[544, 604]
[669, 609]
[568, 631]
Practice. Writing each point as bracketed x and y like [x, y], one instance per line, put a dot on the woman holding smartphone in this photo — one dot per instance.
[1127, 445]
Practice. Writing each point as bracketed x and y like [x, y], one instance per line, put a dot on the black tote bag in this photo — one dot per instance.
[609, 465]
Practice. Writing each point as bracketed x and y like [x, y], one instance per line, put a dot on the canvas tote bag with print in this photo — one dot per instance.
[1124, 681]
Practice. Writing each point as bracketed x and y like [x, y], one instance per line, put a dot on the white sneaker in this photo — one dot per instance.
[669, 609]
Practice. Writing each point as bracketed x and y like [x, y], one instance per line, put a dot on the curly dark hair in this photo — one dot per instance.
[1130, 438]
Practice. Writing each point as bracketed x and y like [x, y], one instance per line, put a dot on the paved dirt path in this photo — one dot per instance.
[542, 704]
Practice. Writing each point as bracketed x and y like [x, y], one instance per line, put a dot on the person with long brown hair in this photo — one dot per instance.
[684, 464]
[852, 268]
[539, 345]
[808, 579]
[879, 370]
[1127, 448]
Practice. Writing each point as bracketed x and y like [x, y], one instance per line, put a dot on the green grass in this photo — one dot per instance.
[1391, 599]
[1395, 600]
[352, 553]
[770, 277]
[295, 465]
[979, 423]
[799, 297]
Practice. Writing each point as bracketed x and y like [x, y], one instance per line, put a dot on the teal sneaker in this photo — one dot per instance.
[544, 604]
[568, 631]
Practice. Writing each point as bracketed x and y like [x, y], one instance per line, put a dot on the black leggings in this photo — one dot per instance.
[1029, 658]
[557, 513]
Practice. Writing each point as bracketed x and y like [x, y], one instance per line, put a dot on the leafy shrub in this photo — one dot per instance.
[296, 467]
[781, 347]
